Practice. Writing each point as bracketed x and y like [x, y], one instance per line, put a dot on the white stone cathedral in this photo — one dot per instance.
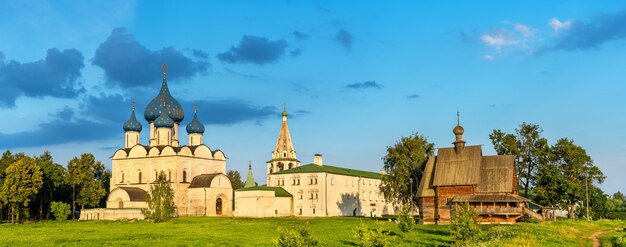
[195, 171]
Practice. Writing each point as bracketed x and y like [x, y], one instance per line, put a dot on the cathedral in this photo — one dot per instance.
[195, 171]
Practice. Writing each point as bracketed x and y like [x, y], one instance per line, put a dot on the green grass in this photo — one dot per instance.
[335, 231]
[614, 238]
[560, 233]
[201, 231]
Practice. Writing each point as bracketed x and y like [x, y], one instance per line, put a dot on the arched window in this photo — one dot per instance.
[184, 176]
[290, 165]
[271, 168]
[156, 175]
[139, 177]
[169, 175]
[122, 176]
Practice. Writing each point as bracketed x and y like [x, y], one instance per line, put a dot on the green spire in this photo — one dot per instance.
[284, 110]
[250, 180]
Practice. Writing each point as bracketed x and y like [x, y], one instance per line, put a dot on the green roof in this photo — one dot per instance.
[313, 168]
[278, 191]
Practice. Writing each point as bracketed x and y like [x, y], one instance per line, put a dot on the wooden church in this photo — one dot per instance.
[462, 174]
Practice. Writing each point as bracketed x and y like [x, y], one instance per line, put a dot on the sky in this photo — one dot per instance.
[355, 76]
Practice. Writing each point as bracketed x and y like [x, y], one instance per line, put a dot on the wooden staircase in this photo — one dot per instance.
[531, 213]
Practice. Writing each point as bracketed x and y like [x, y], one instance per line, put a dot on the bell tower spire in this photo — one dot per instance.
[284, 154]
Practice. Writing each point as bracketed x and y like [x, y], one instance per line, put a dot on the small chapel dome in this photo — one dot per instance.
[195, 126]
[164, 121]
[132, 124]
[164, 102]
[458, 130]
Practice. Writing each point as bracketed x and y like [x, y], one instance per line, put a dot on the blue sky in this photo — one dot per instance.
[355, 76]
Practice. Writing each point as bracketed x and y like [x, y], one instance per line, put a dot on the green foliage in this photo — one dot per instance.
[529, 148]
[614, 239]
[406, 222]
[404, 166]
[367, 237]
[578, 170]
[295, 237]
[60, 210]
[464, 227]
[90, 193]
[22, 182]
[160, 200]
[53, 178]
[88, 179]
[616, 215]
[235, 179]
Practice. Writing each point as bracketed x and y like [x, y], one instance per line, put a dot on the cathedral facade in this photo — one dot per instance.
[195, 171]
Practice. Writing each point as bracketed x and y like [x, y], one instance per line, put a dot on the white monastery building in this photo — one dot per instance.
[310, 190]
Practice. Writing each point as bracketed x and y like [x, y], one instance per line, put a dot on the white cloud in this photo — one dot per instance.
[488, 57]
[558, 25]
[499, 38]
[525, 30]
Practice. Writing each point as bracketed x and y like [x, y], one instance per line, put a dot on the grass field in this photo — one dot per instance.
[223, 231]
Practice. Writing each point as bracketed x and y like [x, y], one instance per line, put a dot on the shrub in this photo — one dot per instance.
[60, 210]
[405, 220]
[160, 200]
[294, 237]
[464, 227]
[370, 238]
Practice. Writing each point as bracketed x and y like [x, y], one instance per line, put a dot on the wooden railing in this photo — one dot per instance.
[499, 210]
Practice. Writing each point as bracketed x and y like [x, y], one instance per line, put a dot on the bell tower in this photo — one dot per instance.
[284, 155]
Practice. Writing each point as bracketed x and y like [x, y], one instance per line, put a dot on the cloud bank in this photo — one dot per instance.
[256, 50]
[127, 63]
[57, 75]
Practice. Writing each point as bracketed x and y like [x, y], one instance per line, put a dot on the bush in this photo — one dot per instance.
[60, 210]
[616, 215]
[405, 220]
[464, 227]
[298, 236]
[370, 238]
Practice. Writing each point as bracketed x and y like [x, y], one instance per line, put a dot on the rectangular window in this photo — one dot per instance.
[298, 181]
[313, 211]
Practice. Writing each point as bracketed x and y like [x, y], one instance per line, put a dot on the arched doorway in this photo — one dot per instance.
[120, 203]
[218, 206]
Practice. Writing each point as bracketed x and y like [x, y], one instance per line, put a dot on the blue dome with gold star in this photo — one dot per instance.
[164, 102]
[195, 126]
[132, 124]
[164, 121]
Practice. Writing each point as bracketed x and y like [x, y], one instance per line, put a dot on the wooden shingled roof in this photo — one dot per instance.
[490, 174]
[461, 168]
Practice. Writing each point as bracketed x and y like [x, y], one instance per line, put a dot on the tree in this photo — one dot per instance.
[529, 148]
[160, 200]
[464, 227]
[404, 165]
[577, 169]
[549, 188]
[235, 179]
[619, 196]
[598, 204]
[7, 159]
[60, 210]
[85, 173]
[53, 178]
[22, 182]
